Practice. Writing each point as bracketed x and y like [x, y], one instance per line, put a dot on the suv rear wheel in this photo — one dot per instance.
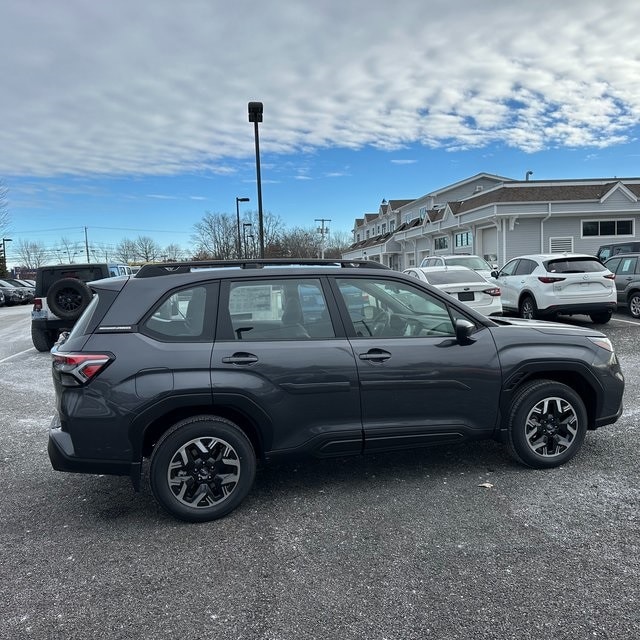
[601, 318]
[42, 339]
[547, 424]
[528, 309]
[202, 468]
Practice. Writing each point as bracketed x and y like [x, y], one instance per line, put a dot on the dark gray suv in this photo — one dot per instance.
[626, 268]
[207, 369]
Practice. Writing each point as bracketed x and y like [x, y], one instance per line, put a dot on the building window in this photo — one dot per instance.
[358, 238]
[441, 243]
[378, 231]
[464, 239]
[392, 225]
[384, 228]
[422, 212]
[367, 234]
[592, 228]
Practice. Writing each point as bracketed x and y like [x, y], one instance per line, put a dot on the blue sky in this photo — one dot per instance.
[130, 118]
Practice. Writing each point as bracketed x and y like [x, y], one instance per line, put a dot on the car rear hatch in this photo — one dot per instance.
[581, 279]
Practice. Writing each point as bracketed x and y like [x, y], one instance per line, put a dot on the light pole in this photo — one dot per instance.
[255, 116]
[4, 255]
[246, 225]
[238, 219]
[322, 230]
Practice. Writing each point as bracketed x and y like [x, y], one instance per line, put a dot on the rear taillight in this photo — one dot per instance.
[82, 366]
[549, 280]
[37, 304]
[611, 276]
[492, 292]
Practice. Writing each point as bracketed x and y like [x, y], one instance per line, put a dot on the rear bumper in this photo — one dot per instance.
[578, 308]
[63, 458]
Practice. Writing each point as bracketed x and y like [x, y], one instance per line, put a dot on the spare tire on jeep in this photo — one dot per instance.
[68, 298]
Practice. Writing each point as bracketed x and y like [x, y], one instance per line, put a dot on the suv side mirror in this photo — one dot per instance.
[495, 273]
[464, 330]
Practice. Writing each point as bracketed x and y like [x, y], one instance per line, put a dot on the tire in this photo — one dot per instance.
[68, 298]
[528, 308]
[634, 304]
[42, 339]
[213, 486]
[547, 424]
[601, 318]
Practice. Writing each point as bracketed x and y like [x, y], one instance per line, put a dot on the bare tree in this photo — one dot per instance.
[299, 243]
[31, 255]
[337, 243]
[68, 250]
[147, 249]
[173, 252]
[215, 235]
[126, 251]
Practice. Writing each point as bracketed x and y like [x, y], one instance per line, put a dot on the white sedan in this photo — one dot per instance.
[464, 284]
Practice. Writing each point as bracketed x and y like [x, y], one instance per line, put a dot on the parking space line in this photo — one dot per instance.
[627, 321]
[13, 355]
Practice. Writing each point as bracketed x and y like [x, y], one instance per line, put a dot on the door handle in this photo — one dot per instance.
[376, 355]
[240, 358]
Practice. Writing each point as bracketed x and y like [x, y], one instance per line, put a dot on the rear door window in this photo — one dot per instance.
[276, 309]
[180, 316]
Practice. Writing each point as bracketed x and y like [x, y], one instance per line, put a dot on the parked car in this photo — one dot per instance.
[462, 283]
[1, 298]
[12, 294]
[607, 251]
[462, 260]
[61, 295]
[207, 368]
[626, 268]
[28, 289]
[545, 285]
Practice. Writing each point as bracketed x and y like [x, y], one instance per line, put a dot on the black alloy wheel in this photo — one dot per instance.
[547, 424]
[202, 468]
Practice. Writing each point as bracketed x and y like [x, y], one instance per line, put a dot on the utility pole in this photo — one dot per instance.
[322, 230]
[86, 244]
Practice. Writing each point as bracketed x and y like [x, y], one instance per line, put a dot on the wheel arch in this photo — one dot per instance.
[156, 427]
[588, 389]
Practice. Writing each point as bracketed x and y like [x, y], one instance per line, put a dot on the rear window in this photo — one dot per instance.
[453, 277]
[48, 276]
[472, 262]
[574, 265]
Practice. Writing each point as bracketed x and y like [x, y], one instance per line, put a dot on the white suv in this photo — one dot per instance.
[558, 283]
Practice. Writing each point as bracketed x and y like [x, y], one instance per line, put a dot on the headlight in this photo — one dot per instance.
[605, 343]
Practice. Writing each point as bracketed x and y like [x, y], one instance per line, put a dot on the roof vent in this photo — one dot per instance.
[478, 189]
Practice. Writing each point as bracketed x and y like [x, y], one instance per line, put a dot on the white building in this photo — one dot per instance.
[500, 218]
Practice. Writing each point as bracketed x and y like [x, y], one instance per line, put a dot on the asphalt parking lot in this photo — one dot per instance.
[452, 542]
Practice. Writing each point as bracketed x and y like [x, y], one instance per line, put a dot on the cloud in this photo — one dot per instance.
[125, 88]
[406, 161]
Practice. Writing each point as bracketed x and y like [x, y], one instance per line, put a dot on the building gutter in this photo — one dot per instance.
[542, 227]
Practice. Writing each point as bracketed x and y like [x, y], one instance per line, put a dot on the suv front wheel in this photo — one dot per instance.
[202, 468]
[547, 424]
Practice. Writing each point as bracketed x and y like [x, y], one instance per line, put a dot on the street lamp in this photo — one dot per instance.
[255, 116]
[246, 225]
[4, 252]
[238, 219]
